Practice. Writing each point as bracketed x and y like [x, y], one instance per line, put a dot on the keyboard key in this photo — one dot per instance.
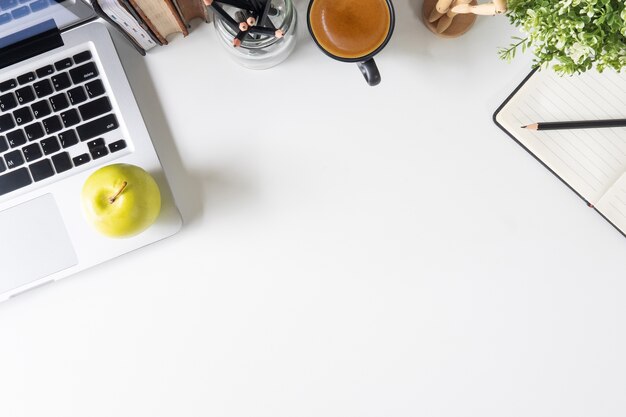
[20, 12]
[61, 81]
[81, 159]
[52, 124]
[84, 72]
[41, 109]
[95, 143]
[94, 88]
[95, 108]
[97, 127]
[23, 115]
[70, 118]
[41, 170]
[14, 180]
[62, 162]
[34, 131]
[82, 57]
[117, 146]
[68, 138]
[25, 95]
[63, 64]
[4, 145]
[7, 4]
[77, 95]
[44, 71]
[5, 18]
[14, 159]
[26, 78]
[50, 145]
[3, 166]
[32, 152]
[6, 123]
[16, 138]
[7, 85]
[98, 152]
[38, 5]
[7, 102]
[43, 88]
[59, 102]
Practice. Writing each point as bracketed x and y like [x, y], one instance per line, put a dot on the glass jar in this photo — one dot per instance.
[261, 51]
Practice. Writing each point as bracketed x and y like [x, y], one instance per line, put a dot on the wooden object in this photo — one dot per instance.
[446, 20]
[486, 9]
[192, 9]
[501, 6]
[161, 17]
[457, 24]
[434, 15]
[443, 6]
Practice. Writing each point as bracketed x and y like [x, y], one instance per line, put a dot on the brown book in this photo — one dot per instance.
[192, 9]
[161, 17]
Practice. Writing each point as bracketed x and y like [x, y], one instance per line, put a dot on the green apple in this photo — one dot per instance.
[121, 200]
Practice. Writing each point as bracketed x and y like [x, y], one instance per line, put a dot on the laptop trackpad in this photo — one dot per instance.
[33, 243]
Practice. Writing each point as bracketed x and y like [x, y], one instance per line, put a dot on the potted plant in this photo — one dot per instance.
[571, 36]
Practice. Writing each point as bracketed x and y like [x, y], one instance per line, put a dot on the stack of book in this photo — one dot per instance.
[148, 23]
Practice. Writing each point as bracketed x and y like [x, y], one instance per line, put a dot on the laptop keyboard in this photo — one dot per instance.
[16, 9]
[47, 116]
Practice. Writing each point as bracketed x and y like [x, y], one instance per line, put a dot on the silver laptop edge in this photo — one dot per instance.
[63, 190]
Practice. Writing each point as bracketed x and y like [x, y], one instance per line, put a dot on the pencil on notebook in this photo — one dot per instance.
[580, 124]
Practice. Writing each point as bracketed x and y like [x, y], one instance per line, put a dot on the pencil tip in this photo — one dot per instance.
[524, 127]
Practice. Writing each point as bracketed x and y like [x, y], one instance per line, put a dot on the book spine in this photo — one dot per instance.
[180, 12]
[148, 22]
[126, 21]
[103, 15]
[177, 17]
[191, 9]
[129, 8]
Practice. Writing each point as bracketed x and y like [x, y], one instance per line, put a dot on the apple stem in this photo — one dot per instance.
[112, 199]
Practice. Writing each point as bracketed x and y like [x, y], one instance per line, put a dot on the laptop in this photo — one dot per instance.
[66, 109]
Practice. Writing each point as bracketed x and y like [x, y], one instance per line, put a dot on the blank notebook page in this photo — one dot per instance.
[591, 161]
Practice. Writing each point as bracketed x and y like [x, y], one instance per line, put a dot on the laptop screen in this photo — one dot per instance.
[22, 19]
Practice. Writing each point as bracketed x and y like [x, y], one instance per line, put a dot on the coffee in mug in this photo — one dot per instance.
[352, 30]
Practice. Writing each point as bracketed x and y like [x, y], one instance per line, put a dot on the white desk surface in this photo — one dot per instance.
[348, 251]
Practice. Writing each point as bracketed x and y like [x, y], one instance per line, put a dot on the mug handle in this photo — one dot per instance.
[370, 71]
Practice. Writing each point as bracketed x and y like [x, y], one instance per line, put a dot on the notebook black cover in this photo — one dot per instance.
[495, 115]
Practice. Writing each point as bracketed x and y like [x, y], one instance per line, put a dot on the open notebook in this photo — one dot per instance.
[592, 162]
